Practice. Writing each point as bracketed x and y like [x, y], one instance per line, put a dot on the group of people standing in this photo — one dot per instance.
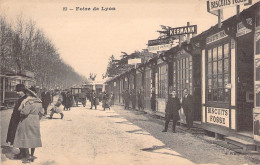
[130, 97]
[174, 105]
[107, 100]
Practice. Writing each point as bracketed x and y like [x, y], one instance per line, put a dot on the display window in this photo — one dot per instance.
[218, 73]
[162, 81]
[148, 84]
[182, 75]
[257, 69]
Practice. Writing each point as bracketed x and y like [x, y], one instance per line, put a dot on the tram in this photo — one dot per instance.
[8, 96]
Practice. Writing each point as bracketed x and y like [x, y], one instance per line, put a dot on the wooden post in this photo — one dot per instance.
[238, 10]
[219, 18]
[188, 35]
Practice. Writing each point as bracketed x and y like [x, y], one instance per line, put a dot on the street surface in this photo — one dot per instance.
[117, 137]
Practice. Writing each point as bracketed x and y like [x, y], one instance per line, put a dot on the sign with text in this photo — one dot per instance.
[218, 116]
[218, 36]
[241, 29]
[159, 41]
[134, 61]
[192, 29]
[214, 5]
[156, 48]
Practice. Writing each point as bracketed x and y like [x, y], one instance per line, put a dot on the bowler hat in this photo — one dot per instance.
[20, 87]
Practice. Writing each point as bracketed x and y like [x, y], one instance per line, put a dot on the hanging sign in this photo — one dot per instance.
[214, 5]
[192, 29]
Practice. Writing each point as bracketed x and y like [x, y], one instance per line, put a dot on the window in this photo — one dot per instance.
[218, 73]
[184, 75]
[162, 79]
[148, 84]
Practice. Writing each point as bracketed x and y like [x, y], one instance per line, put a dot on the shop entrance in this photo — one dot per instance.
[245, 81]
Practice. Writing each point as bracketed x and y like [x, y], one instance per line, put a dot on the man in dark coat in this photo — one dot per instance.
[93, 99]
[133, 99]
[46, 100]
[127, 99]
[15, 118]
[172, 111]
[187, 105]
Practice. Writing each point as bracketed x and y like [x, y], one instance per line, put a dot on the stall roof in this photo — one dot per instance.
[202, 36]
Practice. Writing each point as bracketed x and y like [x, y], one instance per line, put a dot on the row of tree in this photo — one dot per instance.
[23, 46]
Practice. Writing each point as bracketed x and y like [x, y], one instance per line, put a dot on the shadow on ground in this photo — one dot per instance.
[172, 143]
[8, 152]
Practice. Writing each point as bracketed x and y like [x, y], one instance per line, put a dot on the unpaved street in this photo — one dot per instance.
[116, 137]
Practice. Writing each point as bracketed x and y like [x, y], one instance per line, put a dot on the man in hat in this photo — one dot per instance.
[46, 100]
[172, 111]
[15, 118]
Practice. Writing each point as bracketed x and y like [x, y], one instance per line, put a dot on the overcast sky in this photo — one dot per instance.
[86, 39]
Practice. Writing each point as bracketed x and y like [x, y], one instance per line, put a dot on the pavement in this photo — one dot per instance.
[117, 137]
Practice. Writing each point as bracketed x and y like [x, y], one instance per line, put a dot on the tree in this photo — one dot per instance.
[112, 66]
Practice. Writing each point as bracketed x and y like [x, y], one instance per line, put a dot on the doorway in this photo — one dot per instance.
[245, 82]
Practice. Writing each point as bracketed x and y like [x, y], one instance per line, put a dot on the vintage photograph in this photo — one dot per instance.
[130, 82]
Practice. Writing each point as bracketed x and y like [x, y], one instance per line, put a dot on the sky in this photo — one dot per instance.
[85, 39]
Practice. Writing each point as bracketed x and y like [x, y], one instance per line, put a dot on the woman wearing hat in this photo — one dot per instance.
[15, 118]
[172, 111]
[28, 130]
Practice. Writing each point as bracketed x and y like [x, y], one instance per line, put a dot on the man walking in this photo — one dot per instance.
[172, 111]
[187, 105]
[46, 100]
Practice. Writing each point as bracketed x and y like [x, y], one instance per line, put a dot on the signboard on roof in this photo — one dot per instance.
[192, 29]
[160, 41]
[214, 5]
[156, 48]
[134, 61]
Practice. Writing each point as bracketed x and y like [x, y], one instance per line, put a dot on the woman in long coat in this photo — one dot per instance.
[15, 118]
[28, 130]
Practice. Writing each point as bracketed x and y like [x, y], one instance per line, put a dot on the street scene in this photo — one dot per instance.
[118, 136]
[130, 82]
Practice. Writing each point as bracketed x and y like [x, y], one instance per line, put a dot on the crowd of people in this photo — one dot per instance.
[130, 97]
[24, 126]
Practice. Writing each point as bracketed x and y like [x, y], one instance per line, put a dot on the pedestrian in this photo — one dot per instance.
[64, 98]
[55, 106]
[111, 98]
[187, 105]
[69, 101]
[93, 99]
[133, 99]
[46, 100]
[172, 111]
[105, 99]
[127, 99]
[140, 99]
[28, 130]
[15, 118]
